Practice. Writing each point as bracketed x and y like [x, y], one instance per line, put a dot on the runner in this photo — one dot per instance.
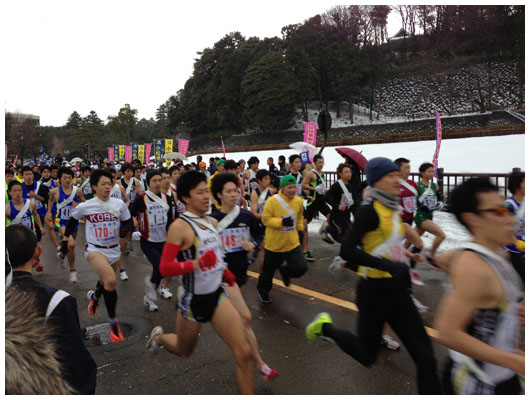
[240, 233]
[154, 213]
[428, 201]
[283, 217]
[232, 167]
[22, 211]
[340, 197]
[132, 188]
[315, 183]
[202, 297]
[258, 199]
[374, 249]
[60, 205]
[102, 214]
[83, 182]
[249, 177]
[220, 168]
[408, 197]
[46, 177]
[479, 319]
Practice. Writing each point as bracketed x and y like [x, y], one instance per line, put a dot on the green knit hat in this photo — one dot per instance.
[221, 161]
[287, 180]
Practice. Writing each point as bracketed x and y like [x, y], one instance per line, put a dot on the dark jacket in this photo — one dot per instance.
[79, 368]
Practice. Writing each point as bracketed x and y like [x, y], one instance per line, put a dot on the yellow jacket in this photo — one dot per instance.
[275, 239]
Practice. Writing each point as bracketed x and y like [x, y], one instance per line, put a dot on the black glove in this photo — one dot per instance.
[393, 267]
[64, 247]
[287, 221]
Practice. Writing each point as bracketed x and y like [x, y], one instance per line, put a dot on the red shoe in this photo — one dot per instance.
[39, 267]
[115, 332]
[267, 373]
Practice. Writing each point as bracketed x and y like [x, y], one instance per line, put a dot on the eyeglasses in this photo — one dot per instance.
[498, 211]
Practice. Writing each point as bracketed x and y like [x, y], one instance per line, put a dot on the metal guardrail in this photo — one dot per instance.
[448, 179]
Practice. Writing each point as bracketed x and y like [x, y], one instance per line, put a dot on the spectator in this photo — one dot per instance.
[78, 367]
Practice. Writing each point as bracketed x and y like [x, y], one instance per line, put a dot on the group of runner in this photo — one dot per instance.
[207, 228]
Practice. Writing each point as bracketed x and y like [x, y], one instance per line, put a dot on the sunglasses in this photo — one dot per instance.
[498, 211]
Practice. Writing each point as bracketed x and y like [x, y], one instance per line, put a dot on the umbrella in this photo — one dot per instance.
[300, 147]
[175, 156]
[354, 156]
[76, 159]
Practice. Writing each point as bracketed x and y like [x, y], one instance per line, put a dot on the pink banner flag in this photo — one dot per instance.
[310, 133]
[15, 162]
[183, 146]
[128, 154]
[111, 153]
[223, 146]
[438, 143]
[148, 153]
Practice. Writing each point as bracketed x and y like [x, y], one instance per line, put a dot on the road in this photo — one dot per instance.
[305, 367]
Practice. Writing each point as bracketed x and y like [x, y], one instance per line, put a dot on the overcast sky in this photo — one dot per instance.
[98, 55]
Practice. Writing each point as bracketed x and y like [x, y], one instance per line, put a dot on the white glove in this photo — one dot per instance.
[136, 236]
[440, 205]
[336, 264]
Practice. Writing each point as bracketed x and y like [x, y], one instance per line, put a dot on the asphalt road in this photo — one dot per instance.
[305, 367]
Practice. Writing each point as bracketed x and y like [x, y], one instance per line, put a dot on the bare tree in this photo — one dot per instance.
[20, 131]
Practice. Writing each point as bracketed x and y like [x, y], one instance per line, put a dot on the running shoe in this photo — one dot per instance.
[150, 289]
[420, 307]
[308, 256]
[92, 302]
[327, 239]
[415, 278]
[151, 345]
[62, 260]
[123, 275]
[336, 264]
[285, 276]
[39, 267]
[58, 248]
[151, 305]
[73, 276]
[314, 329]
[115, 332]
[264, 297]
[164, 292]
[389, 342]
[267, 373]
[432, 263]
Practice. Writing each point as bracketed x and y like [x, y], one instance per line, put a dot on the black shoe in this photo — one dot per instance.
[264, 297]
[308, 256]
[285, 276]
[433, 263]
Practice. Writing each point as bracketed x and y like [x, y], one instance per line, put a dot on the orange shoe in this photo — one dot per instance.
[115, 332]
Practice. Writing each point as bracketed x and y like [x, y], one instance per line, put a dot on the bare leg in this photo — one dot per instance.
[183, 342]
[412, 237]
[166, 281]
[241, 307]
[434, 229]
[229, 326]
[51, 230]
[105, 271]
[71, 247]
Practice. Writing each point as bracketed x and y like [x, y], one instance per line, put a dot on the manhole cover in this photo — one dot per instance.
[98, 335]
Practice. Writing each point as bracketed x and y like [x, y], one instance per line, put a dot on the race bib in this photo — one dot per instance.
[397, 253]
[157, 217]
[344, 200]
[181, 207]
[409, 204]
[66, 211]
[321, 189]
[299, 189]
[87, 190]
[106, 233]
[287, 228]
[232, 238]
[430, 202]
